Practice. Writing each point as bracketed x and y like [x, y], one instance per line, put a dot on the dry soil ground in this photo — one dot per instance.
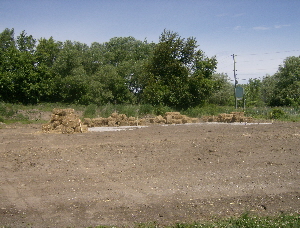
[166, 174]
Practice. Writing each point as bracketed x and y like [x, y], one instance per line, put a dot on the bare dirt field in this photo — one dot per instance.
[167, 174]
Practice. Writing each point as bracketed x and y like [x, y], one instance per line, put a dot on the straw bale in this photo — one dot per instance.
[179, 116]
[81, 129]
[110, 119]
[212, 119]
[67, 130]
[131, 118]
[195, 120]
[172, 113]
[159, 119]
[64, 121]
[55, 117]
[123, 123]
[168, 119]
[88, 122]
[142, 122]
[111, 123]
[123, 117]
[186, 120]
[71, 121]
[114, 115]
[55, 124]
[98, 122]
[84, 128]
[178, 121]
[133, 123]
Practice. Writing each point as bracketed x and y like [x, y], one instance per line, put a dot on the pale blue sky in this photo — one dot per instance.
[261, 33]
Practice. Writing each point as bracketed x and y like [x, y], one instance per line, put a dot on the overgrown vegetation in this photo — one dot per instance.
[244, 221]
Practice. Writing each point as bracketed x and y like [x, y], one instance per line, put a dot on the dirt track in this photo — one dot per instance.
[166, 174]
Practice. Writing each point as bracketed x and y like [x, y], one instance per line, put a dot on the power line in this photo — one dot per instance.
[271, 53]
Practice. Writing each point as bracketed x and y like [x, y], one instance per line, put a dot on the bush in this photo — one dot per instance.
[277, 113]
[161, 110]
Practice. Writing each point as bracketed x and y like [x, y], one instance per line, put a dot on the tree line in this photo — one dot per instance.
[174, 72]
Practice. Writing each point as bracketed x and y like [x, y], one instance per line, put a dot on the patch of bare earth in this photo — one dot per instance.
[168, 174]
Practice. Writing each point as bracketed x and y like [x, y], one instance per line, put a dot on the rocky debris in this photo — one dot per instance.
[228, 118]
[64, 121]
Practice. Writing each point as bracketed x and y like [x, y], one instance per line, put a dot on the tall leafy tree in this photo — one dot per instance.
[179, 75]
[19, 78]
[253, 92]
[287, 83]
[223, 92]
[8, 60]
[47, 51]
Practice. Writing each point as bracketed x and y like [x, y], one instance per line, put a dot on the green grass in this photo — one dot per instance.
[244, 221]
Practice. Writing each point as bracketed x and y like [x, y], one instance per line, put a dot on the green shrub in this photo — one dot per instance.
[161, 110]
[277, 114]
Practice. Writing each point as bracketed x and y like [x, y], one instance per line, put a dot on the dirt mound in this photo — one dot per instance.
[64, 121]
[228, 118]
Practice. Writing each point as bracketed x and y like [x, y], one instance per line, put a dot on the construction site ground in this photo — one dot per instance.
[163, 173]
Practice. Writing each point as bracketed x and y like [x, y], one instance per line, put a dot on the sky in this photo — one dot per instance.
[260, 33]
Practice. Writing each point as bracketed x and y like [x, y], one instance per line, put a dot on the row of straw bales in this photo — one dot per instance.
[228, 118]
[114, 120]
[173, 118]
[64, 121]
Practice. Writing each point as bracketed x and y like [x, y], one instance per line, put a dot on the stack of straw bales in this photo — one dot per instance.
[173, 118]
[64, 121]
[228, 118]
[114, 120]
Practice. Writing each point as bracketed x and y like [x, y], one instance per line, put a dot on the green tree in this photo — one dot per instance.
[179, 75]
[47, 51]
[8, 59]
[287, 83]
[268, 87]
[19, 79]
[253, 92]
[69, 72]
[223, 93]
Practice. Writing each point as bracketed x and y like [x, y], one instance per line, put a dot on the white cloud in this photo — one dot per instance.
[281, 26]
[261, 28]
[237, 27]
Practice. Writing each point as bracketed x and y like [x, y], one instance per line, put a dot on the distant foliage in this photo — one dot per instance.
[172, 73]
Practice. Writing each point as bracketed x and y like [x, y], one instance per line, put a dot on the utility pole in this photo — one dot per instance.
[235, 81]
